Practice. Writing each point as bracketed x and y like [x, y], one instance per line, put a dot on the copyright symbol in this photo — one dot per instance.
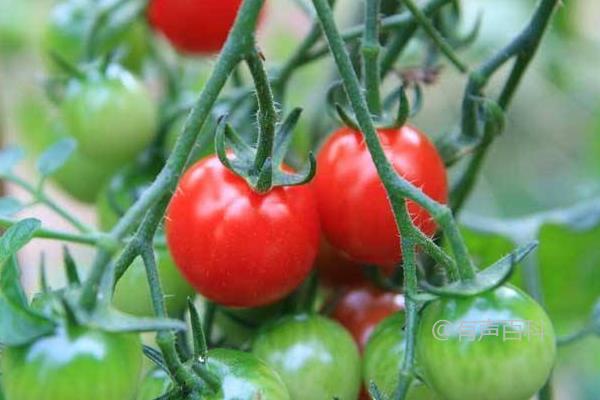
[439, 330]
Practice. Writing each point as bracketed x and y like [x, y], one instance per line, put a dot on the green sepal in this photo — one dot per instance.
[486, 280]
[70, 268]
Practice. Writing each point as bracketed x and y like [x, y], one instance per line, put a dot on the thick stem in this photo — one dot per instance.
[370, 55]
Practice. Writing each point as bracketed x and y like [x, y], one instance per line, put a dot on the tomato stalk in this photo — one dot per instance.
[370, 55]
[523, 48]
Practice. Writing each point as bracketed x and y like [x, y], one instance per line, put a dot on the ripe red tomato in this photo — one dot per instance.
[362, 307]
[334, 269]
[356, 216]
[194, 26]
[235, 246]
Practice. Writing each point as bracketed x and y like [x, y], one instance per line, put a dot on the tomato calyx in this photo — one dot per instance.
[389, 118]
[240, 157]
[486, 280]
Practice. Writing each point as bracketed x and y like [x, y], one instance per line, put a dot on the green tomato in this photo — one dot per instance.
[14, 27]
[243, 377]
[132, 293]
[80, 176]
[70, 21]
[462, 358]
[156, 383]
[315, 356]
[112, 116]
[73, 364]
[383, 358]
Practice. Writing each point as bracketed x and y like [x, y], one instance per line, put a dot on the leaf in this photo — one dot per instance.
[55, 156]
[10, 282]
[488, 279]
[16, 237]
[10, 157]
[19, 325]
[9, 206]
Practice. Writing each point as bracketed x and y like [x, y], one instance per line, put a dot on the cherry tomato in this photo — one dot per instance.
[132, 293]
[239, 248]
[244, 377]
[73, 364]
[195, 27]
[156, 383]
[69, 23]
[499, 345]
[362, 307]
[111, 115]
[315, 357]
[81, 177]
[356, 216]
[383, 358]
[334, 269]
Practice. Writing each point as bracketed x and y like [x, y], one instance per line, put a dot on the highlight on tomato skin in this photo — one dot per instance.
[194, 27]
[355, 214]
[239, 248]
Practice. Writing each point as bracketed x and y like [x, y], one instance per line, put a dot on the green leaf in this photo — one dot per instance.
[10, 282]
[19, 325]
[487, 279]
[55, 156]
[16, 237]
[10, 157]
[9, 206]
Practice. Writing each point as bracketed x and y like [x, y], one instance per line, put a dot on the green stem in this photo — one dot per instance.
[267, 115]
[91, 239]
[40, 197]
[435, 36]
[524, 48]
[370, 55]
[396, 187]
[239, 44]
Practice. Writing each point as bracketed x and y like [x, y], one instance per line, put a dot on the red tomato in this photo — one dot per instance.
[235, 246]
[355, 214]
[194, 26]
[362, 307]
[334, 269]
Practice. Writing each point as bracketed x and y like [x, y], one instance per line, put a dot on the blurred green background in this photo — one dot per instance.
[547, 159]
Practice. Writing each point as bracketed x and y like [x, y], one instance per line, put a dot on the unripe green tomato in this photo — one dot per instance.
[74, 364]
[156, 383]
[68, 25]
[315, 356]
[112, 116]
[80, 176]
[243, 377]
[14, 27]
[132, 293]
[462, 358]
[383, 358]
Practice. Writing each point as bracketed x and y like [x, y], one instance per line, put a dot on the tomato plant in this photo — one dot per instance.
[315, 357]
[362, 307]
[198, 27]
[235, 246]
[355, 212]
[71, 364]
[517, 346]
[116, 99]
